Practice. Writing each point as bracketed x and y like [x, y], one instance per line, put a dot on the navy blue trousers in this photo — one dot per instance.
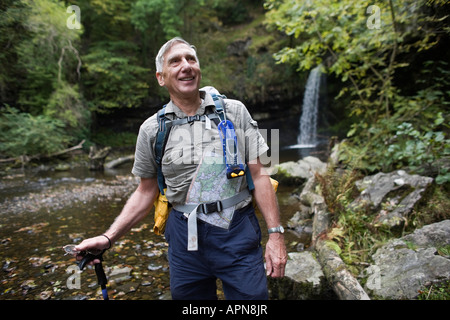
[234, 256]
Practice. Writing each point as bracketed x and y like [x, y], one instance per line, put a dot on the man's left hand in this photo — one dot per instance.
[276, 256]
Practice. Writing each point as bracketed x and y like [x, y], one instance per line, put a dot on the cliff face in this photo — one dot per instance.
[238, 61]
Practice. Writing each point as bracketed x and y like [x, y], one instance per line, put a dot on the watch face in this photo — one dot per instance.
[279, 229]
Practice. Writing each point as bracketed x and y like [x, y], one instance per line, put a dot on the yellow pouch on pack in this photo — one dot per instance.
[275, 188]
[161, 214]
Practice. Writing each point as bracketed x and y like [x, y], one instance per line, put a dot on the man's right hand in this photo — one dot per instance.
[94, 244]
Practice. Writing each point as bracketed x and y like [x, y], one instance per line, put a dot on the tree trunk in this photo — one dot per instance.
[119, 161]
[97, 157]
[340, 279]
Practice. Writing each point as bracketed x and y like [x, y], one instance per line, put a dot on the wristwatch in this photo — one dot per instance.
[278, 229]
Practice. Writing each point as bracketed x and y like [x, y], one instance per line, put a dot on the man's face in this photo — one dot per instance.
[181, 73]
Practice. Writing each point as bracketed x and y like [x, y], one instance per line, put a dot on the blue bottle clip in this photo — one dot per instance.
[235, 168]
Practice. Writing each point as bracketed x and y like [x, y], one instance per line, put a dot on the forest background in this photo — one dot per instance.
[67, 68]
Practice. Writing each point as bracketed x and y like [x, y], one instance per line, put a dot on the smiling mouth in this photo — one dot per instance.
[187, 79]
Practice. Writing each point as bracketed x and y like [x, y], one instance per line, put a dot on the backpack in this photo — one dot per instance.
[162, 205]
[165, 125]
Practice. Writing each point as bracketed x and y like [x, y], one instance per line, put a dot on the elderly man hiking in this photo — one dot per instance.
[212, 229]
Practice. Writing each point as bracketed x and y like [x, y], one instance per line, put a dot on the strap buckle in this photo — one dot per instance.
[191, 119]
[211, 207]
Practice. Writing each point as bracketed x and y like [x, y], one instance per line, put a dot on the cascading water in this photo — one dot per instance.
[308, 121]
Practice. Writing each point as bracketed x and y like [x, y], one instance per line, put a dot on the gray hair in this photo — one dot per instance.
[166, 47]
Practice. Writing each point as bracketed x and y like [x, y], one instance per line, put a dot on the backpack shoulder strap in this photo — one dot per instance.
[220, 107]
[161, 139]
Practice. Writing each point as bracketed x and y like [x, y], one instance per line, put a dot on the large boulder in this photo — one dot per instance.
[404, 266]
[399, 190]
[304, 280]
[297, 172]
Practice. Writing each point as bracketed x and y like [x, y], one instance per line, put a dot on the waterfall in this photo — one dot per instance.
[308, 120]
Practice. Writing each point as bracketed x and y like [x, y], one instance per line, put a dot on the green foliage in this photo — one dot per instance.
[146, 13]
[439, 291]
[107, 137]
[415, 149]
[24, 134]
[114, 78]
[42, 56]
[232, 12]
[45, 65]
[164, 19]
[373, 64]
[66, 105]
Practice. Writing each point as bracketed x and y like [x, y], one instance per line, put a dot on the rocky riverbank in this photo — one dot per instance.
[69, 192]
[400, 268]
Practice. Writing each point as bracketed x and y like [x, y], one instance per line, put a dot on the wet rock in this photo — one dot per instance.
[6, 267]
[301, 226]
[127, 287]
[35, 228]
[165, 296]
[45, 295]
[154, 267]
[39, 261]
[62, 167]
[297, 172]
[120, 274]
[146, 283]
[78, 297]
[131, 260]
[28, 284]
[403, 266]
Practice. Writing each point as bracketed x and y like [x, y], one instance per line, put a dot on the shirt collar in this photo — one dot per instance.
[207, 100]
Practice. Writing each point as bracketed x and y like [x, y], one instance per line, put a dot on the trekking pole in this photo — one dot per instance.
[101, 279]
[101, 276]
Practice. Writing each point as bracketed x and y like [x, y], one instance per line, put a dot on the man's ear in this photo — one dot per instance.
[160, 78]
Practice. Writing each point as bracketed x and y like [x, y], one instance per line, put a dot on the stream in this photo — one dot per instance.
[43, 210]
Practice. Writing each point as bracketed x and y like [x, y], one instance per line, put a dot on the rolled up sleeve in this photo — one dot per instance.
[144, 161]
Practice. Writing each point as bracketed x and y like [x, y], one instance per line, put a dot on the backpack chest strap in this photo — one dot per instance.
[177, 122]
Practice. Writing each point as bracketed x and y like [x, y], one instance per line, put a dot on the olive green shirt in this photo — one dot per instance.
[188, 142]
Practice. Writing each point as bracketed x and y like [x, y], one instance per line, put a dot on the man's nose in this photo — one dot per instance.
[185, 65]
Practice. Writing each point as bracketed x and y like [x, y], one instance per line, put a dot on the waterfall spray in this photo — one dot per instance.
[308, 120]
